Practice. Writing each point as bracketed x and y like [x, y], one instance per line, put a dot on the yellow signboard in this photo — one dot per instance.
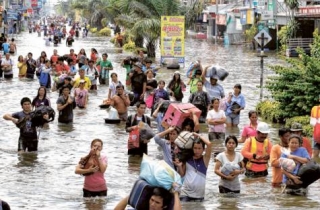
[172, 37]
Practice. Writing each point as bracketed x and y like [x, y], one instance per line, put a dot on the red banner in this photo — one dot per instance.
[34, 3]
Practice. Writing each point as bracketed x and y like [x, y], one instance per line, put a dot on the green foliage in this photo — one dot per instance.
[292, 27]
[105, 32]
[93, 30]
[304, 121]
[269, 110]
[283, 38]
[104, 22]
[251, 32]
[315, 50]
[292, 4]
[130, 46]
[296, 85]
[113, 40]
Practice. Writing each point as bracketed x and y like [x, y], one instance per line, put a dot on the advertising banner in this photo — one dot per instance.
[172, 38]
[34, 3]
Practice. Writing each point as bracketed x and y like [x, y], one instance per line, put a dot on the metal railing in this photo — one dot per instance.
[294, 43]
[299, 42]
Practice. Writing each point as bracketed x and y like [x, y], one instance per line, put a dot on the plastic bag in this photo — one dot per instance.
[158, 173]
[149, 100]
[229, 167]
[287, 164]
[112, 113]
[217, 71]
[134, 139]
[211, 71]
[146, 132]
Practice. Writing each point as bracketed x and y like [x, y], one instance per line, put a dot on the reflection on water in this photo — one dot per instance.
[27, 159]
[46, 180]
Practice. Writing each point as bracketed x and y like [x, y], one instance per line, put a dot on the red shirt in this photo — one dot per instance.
[62, 67]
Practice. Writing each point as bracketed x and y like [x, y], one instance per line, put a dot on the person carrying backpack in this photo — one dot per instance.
[201, 100]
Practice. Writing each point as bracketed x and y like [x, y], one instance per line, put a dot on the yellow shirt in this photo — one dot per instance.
[22, 69]
[87, 85]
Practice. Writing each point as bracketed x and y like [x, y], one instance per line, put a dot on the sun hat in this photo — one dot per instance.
[82, 81]
[176, 72]
[296, 127]
[263, 127]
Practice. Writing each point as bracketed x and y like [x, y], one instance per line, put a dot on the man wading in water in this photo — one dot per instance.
[28, 139]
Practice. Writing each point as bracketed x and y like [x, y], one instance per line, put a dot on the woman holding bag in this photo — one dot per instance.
[93, 167]
[150, 87]
[235, 103]
[194, 170]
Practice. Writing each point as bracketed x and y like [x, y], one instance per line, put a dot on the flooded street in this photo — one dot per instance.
[46, 180]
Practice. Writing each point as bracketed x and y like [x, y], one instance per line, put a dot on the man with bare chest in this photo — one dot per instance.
[120, 102]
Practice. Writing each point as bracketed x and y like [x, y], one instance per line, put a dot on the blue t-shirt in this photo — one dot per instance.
[301, 152]
[5, 47]
[235, 99]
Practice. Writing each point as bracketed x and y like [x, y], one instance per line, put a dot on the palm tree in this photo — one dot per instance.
[93, 10]
[292, 25]
[142, 18]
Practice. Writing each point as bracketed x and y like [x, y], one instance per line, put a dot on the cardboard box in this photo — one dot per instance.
[177, 113]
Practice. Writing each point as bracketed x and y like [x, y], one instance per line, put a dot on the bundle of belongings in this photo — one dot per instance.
[36, 117]
[89, 161]
[308, 173]
[154, 175]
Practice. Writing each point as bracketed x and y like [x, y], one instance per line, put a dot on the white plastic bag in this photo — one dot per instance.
[158, 173]
[112, 113]
[229, 167]
[287, 164]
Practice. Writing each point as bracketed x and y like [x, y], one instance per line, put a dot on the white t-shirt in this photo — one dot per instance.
[233, 185]
[7, 62]
[112, 87]
[212, 114]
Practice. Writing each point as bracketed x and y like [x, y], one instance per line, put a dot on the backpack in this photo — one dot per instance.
[145, 119]
[95, 71]
[199, 99]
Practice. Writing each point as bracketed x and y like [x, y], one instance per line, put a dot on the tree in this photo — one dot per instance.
[292, 25]
[296, 86]
[93, 10]
[142, 19]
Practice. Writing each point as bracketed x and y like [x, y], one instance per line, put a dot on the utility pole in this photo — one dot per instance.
[216, 25]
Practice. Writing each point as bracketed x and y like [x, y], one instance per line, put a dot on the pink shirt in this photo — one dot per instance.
[96, 181]
[81, 96]
[249, 131]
